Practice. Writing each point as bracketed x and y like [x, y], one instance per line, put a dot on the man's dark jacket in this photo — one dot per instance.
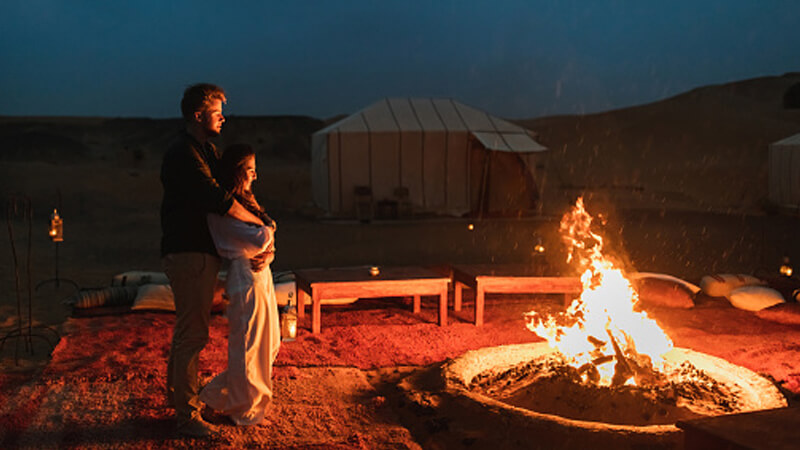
[190, 193]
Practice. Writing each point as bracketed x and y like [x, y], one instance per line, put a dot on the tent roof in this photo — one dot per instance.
[437, 114]
[791, 140]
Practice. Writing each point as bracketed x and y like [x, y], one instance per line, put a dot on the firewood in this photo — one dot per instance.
[622, 370]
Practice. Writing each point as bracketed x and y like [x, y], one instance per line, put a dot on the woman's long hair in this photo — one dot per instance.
[233, 173]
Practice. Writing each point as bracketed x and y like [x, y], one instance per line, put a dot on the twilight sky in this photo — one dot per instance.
[515, 59]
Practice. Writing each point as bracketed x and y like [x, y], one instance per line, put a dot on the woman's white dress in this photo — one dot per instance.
[243, 391]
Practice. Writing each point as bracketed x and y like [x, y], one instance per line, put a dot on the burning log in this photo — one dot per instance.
[622, 370]
[590, 371]
[596, 342]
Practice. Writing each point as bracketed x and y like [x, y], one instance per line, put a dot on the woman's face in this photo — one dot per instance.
[249, 172]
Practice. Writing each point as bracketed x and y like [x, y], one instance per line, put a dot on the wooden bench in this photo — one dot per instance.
[358, 282]
[508, 279]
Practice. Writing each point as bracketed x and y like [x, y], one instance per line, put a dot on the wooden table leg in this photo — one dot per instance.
[443, 307]
[457, 296]
[316, 313]
[479, 305]
[417, 304]
[301, 303]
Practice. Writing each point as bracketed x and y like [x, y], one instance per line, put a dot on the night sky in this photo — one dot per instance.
[515, 59]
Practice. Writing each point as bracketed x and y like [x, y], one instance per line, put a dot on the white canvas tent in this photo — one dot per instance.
[447, 158]
[784, 172]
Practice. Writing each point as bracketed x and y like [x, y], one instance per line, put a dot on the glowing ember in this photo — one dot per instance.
[602, 326]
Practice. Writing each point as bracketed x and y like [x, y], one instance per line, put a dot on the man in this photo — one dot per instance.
[189, 257]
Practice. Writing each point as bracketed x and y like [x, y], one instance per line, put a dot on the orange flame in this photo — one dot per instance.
[604, 311]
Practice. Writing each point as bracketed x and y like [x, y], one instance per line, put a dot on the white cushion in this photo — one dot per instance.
[157, 297]
[721, 285]
[663, 291]
[755, 298]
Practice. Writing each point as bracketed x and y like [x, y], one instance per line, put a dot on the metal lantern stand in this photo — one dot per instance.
[21, 206]
[57, 236]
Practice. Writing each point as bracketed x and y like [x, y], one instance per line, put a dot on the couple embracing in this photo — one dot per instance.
[209, 212]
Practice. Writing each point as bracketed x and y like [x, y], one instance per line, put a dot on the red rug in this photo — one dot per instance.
[368, 334]
[118, 362]
[377, 333]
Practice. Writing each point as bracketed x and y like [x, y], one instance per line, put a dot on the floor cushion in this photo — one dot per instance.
[663, 290]
[721, 285]
[755, 298]
[159, 297]
[101, 297]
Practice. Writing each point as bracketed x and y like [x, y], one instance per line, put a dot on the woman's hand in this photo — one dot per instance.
[263, 259]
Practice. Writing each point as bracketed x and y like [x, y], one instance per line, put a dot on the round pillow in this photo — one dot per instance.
[755, 298]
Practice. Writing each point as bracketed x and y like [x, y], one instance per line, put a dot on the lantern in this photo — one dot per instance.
[786, 267]
[289, 322]
[374, 271]
[56, 231]
[539, 247]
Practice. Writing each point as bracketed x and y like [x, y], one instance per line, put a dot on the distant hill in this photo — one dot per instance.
[704, 149]
[142, 141]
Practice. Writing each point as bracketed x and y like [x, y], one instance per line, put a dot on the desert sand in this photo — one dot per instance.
[682, 184]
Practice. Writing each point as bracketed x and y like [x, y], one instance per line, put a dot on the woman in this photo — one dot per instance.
[244, 390]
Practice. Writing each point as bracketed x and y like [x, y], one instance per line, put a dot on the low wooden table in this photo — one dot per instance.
[508, 279]
[357, 282]
[768, 429]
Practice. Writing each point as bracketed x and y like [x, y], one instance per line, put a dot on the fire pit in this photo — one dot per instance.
[502, 382]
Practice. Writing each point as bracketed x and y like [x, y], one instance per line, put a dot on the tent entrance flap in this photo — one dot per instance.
[503, 185]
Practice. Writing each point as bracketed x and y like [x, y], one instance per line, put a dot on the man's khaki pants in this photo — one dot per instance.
[193, 277]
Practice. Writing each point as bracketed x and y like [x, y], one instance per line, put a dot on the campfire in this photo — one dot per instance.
[607, 373]
[608, 351]
[601, 333]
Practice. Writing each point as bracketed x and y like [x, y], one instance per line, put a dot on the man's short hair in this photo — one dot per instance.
[197, 97]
